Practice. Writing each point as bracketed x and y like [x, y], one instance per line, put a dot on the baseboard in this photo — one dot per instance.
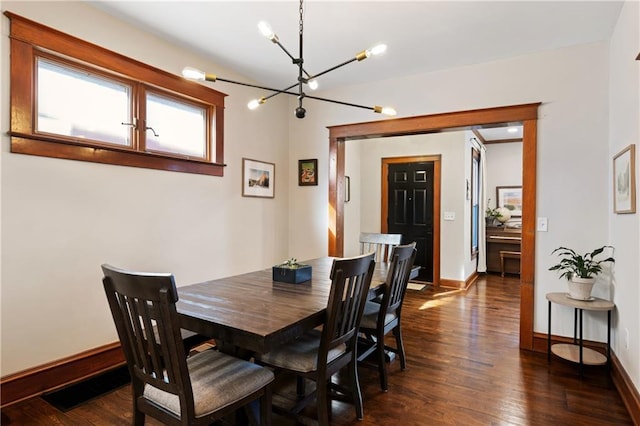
[459, 285]
[628, 392]
[57, 374]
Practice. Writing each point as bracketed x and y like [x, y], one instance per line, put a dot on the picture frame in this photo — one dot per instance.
[308, 172]
[624, 181]
[258, 178]
[511, 198]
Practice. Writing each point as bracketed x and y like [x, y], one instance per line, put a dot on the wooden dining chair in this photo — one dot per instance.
[166, 384]
[380, 244]
[318, 355]
[381, 317]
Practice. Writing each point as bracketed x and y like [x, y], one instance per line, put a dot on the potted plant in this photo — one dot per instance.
[580, 270]
[290, 271]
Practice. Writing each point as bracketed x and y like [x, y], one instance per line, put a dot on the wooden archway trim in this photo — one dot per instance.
[462, 120]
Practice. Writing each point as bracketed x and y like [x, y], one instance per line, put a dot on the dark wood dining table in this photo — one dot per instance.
[253, 312]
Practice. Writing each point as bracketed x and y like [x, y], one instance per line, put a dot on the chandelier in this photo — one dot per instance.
[304, 78]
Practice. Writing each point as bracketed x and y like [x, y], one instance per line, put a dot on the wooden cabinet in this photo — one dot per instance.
[500, 238]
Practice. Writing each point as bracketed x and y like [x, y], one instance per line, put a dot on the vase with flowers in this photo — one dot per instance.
[492, 215]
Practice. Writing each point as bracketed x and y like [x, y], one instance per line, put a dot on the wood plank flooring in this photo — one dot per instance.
[464, 368]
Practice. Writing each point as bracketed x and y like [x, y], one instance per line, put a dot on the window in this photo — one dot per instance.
[74, 103]
[68, 95]
[175, 127]
[475, 200]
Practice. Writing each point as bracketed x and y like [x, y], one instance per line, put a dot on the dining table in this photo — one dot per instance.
[253, 312]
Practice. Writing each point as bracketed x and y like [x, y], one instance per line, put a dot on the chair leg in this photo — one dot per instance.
[356, 393]
[300, 387]
[382, 363]
[138, 418]
[136, 390]
[265, 407]
[323, 401]
[397, 332]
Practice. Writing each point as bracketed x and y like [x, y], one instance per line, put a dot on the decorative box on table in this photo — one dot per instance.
[291, 272]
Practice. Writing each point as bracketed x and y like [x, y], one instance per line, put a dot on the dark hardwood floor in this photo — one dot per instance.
[464, 368]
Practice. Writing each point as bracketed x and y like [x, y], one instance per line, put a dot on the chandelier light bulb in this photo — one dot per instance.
[385, 110]
[255, 103]
[265, 30]
[313, 84]
[376, 50]
[391, 112]
[193, 73]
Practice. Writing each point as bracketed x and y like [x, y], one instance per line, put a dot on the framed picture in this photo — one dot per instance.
[624, 180]
[258, 178]
[511, 198]
[307, 172]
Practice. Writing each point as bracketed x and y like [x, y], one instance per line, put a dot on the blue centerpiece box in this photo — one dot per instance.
[292, 273]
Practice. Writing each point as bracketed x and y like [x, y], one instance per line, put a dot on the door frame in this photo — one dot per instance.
[461, 120]
[384, 208]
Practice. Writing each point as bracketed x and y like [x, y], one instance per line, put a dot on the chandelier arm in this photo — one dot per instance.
[271, 89]
[339, 102]
[294, 60]
[285, 91]
[333, 68]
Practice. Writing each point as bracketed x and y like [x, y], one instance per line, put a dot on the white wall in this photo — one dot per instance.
[450, 145]
[61, 219]
[573, 153]
[504, 167]
[624, 129]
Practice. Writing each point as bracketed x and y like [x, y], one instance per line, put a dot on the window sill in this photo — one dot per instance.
[45, 148]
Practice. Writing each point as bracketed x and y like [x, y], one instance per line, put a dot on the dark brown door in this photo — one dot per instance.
[410, 210]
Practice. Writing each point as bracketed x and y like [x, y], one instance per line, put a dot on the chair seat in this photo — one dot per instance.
[301, 354]
[217, 380]
[370, 316]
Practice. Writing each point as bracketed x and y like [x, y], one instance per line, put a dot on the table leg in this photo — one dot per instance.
[575, 324]
[549, 333]
[609, 340]
[581, 360]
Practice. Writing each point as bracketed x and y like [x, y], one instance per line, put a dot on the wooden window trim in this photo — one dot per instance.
[28, 37]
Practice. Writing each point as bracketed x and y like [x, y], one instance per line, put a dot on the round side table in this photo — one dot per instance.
[576, 352]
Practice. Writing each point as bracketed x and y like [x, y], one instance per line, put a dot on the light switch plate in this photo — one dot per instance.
[542, 224]
[449, 215]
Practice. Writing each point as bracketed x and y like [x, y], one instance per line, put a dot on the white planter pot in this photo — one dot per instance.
[580, 288]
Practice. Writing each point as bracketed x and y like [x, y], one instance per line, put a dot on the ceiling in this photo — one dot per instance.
[422, 36]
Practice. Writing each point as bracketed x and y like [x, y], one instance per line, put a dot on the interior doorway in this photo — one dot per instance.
[527, 114]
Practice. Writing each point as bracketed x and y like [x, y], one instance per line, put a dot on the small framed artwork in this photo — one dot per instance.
[624, 180]
[258, 178]
[308, 172]
[511, 198]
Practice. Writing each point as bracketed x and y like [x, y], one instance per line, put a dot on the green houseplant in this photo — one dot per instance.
[580, 269]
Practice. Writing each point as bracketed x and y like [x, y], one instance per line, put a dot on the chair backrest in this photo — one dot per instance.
[143, 307]
[380, 244]
[402, 260]
[350, 281]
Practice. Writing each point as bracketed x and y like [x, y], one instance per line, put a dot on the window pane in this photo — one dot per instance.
[75, 103]
[176, 127]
